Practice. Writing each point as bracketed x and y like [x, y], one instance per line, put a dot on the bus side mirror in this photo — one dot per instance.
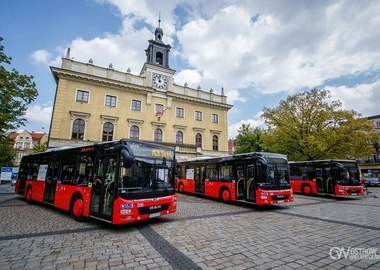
[126, 159]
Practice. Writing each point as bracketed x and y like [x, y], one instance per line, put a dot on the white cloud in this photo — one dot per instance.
[362, 98]
[39, 115]
[256, 121]
[190, 76]
[252, 45]
[45, 57]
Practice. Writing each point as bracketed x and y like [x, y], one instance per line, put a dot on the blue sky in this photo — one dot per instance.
[260, 51]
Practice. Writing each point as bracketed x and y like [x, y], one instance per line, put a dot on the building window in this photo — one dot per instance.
[82, 96]
[378, 124]
[26, 145]
[110, 101]
[78, 129]
[179, 137]
[134, 132]
[158, 135]
[215, 118]
[136, 105]
[198, 115]
[179, 112]
[107, 132]
[18, 145]
[215, 143]
[198, 140]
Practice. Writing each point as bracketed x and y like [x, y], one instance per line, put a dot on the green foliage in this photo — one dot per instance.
[6, 153]
[40, 147]
[308, 126]
[17, 91]
[249, 139]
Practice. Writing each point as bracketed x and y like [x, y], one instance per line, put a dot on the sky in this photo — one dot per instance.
[258, 51]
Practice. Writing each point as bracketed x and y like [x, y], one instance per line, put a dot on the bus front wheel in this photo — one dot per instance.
[225, 195]
[77, 208]
[306, 189]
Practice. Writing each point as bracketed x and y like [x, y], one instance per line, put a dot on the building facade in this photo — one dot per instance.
[94, 104]
[371, 166]
[24, 141]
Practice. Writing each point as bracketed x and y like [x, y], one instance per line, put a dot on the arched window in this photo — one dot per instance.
[198, 140]
[78, 129]
[179, 137]
[159, 58]
[134, 132]
[107, 132]
[215, 143]
[158, 135]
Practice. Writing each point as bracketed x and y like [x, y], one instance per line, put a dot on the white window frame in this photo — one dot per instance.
[141, 105]
[195, 115]
[155, 107]
[217, 118]
[105, 100]
[183, 116]
[83, 90]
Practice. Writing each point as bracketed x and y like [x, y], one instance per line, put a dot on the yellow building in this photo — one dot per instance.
[94, 104]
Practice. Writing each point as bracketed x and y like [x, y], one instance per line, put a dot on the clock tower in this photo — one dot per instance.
[156, 68]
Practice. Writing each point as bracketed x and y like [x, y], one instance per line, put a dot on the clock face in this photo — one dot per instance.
[160, 81]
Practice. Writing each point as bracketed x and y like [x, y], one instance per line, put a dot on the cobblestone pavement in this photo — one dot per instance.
[203, 234]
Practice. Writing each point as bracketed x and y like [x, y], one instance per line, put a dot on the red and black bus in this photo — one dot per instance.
[332, 177]
[258, 178]
[117, 182]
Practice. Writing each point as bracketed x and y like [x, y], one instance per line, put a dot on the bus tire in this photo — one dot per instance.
[225, 195]
[180, 188]
[306, 189]
[77, 207]
[28, 195]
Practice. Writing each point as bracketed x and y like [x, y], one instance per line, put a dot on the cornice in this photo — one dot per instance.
[63, 73]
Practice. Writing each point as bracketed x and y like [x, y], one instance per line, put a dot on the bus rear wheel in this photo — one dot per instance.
[77, 208]
[225, 195]
[180, 188]
[28, 195]
[306, 189]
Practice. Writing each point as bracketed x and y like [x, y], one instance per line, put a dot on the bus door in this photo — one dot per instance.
[251, 182]
[320, 181]
[103, 186]
[241, 182]
[199, 178]
[51, 180]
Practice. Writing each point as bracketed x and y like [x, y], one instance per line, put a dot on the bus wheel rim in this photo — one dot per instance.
[78, 208]
[29, 194]
[181, 188]
[226, 195]
[307, 190]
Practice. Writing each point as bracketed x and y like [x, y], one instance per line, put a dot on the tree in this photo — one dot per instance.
[309, 126]
[7, 153]
[39, 147]
[249, 139]
[17, 91]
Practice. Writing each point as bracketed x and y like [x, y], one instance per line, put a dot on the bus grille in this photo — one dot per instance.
[153, 209]
[279, 197]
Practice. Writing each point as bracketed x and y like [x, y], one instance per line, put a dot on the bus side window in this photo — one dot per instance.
[34, 171]
[68, 169]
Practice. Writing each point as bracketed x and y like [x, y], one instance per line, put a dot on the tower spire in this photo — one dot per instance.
[159, 19]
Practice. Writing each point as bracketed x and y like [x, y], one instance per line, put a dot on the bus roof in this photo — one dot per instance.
[99, 144]
[237, 157]
[323, 161]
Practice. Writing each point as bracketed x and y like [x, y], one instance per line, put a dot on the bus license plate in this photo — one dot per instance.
[280, 202]
[154, 215]
[353, 194]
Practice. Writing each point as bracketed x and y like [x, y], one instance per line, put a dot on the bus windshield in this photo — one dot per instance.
[147, 178]
[276, 173]
[349, 174]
